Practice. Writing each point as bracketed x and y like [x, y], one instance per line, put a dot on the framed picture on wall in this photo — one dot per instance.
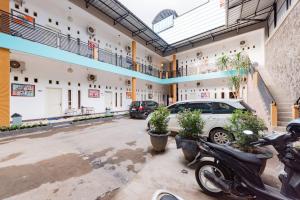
[94, 93]
[128, 95]
[22, 90]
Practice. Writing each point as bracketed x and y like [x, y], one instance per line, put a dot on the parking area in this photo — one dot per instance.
[108, 160]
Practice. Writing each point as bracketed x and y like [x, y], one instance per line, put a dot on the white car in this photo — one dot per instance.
[215, 113]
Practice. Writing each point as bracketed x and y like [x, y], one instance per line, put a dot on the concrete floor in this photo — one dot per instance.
[105, 161]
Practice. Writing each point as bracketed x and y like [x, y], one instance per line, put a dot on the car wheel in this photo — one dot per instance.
[145, 115]
[220, 136]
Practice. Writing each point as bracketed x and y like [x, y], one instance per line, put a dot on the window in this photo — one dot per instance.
[222, 108]
[69, 99]
[16, 78]
[78, 84]
[215, 95]
[36, 80]
[50, 81]
[49, 20]
[121, 99]
[222, 95]
[26, 10]
[231, 95]
[69, 28]
[57, 82]
[35, 14]
[79, 99]
[26, 79]
[174, 109]
[69, 83]
[17, 6]
[151, 104]
[116, 99]
[56, 23]
[204, 107]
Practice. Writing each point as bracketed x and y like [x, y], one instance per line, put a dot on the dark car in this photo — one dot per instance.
[141, 109]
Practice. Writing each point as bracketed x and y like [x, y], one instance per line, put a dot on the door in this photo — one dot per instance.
[222, 113]
[108, 99]
[173, 124]
[53, 102]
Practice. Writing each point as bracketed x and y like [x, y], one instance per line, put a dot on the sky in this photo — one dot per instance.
[146, 10]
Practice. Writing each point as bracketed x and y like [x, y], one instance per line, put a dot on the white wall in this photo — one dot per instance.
[210, 53]
[45, 69]
[214, 88]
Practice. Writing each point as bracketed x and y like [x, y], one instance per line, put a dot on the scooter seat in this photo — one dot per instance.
[239, 155]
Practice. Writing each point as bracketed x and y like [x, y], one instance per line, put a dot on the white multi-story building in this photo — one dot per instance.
[63, 56]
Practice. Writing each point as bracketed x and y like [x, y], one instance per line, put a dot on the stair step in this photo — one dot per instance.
[284, 109]
[281, 123]
[279, 129]
[284, 119]
[285, 114]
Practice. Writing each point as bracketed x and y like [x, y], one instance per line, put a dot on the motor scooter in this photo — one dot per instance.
[235, 172]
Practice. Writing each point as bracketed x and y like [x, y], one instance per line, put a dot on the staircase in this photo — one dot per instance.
[272, 93]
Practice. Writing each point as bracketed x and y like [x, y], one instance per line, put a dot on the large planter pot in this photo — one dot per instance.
[158, 141]
[262, 153]
[189, 147]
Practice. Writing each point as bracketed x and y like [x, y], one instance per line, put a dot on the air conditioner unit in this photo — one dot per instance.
[149, 87]
[128, 82]
[149, 59]
[199, 54]
[92, 77]
[91, 30]
[198, 84]
[128, 49]
[17, 65]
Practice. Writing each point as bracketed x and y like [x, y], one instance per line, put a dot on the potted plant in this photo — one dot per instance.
[159, 128]
[241, 121]
[191, 125]
[241, 64]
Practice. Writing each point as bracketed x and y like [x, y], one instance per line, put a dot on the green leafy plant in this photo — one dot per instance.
[21, 127]
[159, 120]
[241, 121]
[191, 124]
[239, 62]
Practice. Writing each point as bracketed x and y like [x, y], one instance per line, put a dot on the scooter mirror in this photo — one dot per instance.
[247, 132]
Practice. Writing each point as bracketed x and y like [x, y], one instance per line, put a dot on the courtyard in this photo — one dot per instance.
[107, 160]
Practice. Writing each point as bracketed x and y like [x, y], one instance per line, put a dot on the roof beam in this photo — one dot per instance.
[135, 33]
[152, 41]
[120, 18]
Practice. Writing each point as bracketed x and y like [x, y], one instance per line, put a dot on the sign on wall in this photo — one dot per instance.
[22, 90]
[205, 95]
[128, 95]
[22, 19]
[94, 93]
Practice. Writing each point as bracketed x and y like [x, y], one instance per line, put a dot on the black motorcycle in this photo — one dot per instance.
[222, 169]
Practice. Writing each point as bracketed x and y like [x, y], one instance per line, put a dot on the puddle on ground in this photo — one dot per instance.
[10, 157]
[18, 179]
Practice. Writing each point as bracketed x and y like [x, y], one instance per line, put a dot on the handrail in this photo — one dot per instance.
[265, 93]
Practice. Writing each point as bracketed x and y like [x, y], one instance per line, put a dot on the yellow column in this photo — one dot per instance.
[4, 78]
[274, 119]
[174, 86]
[295, 111]
[133, 82]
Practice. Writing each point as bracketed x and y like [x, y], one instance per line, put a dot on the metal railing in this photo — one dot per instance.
[267, 97]
[18, 26]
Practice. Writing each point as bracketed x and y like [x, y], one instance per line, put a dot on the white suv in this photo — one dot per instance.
[215, 113]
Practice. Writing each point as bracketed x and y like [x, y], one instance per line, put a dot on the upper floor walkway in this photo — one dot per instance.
[27, 36]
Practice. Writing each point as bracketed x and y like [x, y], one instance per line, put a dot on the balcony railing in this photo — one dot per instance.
[18, 26]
